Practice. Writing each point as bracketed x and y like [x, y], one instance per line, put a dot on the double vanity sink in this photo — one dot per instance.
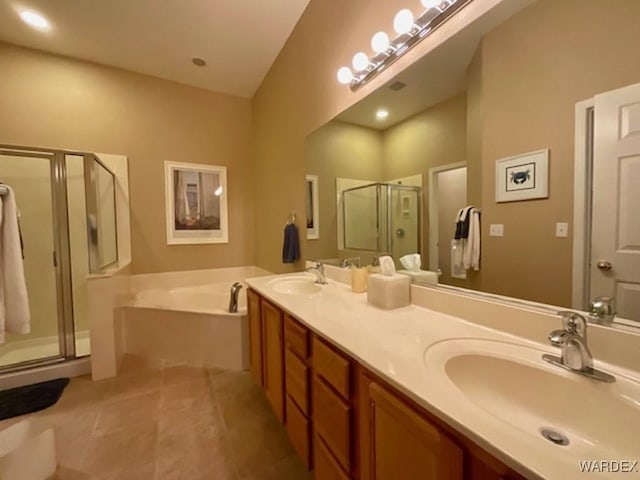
[494, 388]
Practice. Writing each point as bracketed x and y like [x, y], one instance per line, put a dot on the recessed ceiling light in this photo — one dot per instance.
[35, 20]
[199, 62]
[382, 114]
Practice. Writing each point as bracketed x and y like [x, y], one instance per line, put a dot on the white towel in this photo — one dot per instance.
[471, 246]
[14, 302]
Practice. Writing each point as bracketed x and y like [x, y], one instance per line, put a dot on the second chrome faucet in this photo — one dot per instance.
[318, 269]
[576, 356]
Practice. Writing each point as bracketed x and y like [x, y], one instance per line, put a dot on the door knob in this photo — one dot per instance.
[604, 265]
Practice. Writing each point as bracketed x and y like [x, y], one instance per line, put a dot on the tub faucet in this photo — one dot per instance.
[233, 299]
[318, 269]
[576, 356]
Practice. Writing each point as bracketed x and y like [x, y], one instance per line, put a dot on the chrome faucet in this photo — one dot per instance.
[602, 310]
[350, 262]
[233, 299]
[318, 269]
[576, 356]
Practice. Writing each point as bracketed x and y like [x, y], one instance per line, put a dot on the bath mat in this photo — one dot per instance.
[31, 398]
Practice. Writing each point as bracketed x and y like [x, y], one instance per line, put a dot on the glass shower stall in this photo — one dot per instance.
[67, 220]
[384, 218]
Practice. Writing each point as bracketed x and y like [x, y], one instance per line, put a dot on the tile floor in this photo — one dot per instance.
[156, 422]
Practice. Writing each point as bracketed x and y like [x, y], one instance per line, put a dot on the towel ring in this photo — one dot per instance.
[292, 218]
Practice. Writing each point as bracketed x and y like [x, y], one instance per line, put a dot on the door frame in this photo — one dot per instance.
[582, 198]
[434, 256]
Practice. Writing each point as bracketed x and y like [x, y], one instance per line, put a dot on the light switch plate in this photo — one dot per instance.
[562, 229]
[496, 230]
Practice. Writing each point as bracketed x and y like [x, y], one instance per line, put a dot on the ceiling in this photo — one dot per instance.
[239, 39]
[439, 75]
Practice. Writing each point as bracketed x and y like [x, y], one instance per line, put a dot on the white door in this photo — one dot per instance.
[615, 242]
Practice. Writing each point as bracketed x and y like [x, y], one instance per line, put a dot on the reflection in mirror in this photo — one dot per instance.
[106, 214]
[529, 76]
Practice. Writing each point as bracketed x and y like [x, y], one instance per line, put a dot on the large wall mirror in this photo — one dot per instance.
[531, 83]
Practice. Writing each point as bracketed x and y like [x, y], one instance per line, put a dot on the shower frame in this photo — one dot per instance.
[61, 256]
[389, 187]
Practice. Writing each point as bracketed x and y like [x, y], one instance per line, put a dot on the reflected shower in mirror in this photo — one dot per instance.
[524, 78]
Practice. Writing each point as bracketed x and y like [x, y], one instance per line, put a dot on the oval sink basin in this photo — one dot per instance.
[295, 285]
[513, 384]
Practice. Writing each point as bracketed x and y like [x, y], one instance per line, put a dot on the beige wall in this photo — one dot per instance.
[52, 101]
[344, 150]
[435, 137]
[535, 68]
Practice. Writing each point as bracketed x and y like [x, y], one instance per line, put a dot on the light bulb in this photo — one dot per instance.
[430, 3]
[360, 61]
[382, 114]
[403, 22]
[380, 42]
[35, 20]
[345, 76]
[218, 191]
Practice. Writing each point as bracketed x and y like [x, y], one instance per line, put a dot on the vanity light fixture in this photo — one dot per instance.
[409, 30]
[35, 20]
[382, 114]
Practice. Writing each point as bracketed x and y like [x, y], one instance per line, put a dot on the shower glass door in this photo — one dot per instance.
[30, 177]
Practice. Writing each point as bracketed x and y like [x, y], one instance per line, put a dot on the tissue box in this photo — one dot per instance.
[389, 291]
[27, 451]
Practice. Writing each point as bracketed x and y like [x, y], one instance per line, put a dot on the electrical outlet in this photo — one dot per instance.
[562, 229]
[496, 230]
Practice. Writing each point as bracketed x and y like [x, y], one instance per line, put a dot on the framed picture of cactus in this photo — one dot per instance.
[196, 203]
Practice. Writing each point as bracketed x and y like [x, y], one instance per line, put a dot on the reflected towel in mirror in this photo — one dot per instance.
[14, 302]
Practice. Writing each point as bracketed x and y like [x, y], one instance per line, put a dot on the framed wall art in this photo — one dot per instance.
[313, 207]
[195, 203]
[523, 177]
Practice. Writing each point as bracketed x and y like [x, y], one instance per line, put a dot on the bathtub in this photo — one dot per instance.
[188, 324]
[212, 298]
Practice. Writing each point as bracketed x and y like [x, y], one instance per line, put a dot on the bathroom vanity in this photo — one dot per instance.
[413, 393]
[345, 421]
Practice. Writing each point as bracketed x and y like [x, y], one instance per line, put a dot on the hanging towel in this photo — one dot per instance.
[471, 250]
[291, 246]
[462, 223]
[14, 302]
[460, 238]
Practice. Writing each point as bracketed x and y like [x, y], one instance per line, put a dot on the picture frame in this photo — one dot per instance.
[195, 203]
[312, 207]
[523, 177]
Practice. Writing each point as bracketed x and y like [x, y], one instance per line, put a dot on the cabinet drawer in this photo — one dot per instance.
[331, 366]
[296, 337]
[297, 381]
[325, 466]
[298, 429]
[332, 422]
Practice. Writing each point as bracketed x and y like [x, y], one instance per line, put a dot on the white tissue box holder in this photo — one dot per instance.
[27, 451]
[389, 291]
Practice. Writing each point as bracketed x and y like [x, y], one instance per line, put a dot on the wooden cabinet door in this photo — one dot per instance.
[255, 336]
[273, 357]
[406, 446]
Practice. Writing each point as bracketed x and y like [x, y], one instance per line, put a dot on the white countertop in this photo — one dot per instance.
[392, 344]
